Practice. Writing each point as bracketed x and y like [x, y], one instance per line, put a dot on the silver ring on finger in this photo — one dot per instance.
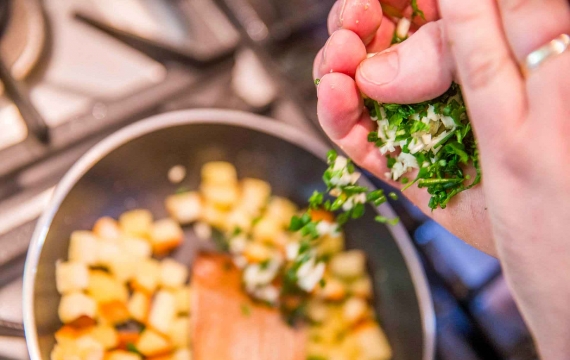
[536, 58]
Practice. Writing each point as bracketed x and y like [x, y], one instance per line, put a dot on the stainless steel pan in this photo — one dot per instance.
[129, 169]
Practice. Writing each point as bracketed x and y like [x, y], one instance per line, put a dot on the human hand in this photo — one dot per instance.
[521, 125]
[365, 29]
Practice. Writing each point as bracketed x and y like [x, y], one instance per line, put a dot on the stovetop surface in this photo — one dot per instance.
[107, 63]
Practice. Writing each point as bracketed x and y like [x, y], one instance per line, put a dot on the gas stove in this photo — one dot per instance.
[91, 67]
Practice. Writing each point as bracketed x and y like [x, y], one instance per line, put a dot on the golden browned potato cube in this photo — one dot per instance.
[349, 264]
[333, 290]
[215, 217]
[106, 335]
[373, 342]
[267, 229]
[354, 310]
[137, 247]
[219, 173]
[317, 310]
[107, 228]
[239, 218]
[84, 348]
[254, 195]
[182, 296]
[281, 209]
[179, 332]
[361, 287]
[330, 245]
[184, 208]
[139, 306]
[152, 343]
[147, 276]
[165, 235]
[256, 252]
[114, 312]
[107, 252]
[104, 288]
[172, 273]
[182, 354]
[83, 247]
[71, 276]
[122, 355]
[136, 222]
[223, 196]
[74, 305]
[162, 311]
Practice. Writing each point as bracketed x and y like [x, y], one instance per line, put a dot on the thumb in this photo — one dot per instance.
[419, 69]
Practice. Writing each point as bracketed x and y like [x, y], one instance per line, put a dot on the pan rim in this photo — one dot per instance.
[219, 117]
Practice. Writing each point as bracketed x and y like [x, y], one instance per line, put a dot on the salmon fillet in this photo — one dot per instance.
[227, 325]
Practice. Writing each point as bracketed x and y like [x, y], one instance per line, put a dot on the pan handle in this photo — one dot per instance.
[11, 329]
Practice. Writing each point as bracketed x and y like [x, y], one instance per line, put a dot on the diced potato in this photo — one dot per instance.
[256, 252]
[165, 235]
[182, 296]
[267, 229]
[107, 228]
[104, 288]
[162, 311]
[69, 333]
[105, 335]
[219, 172]
[137, 247]
[349, 264]
[317, 311]
[215, 217]
[182, 354]
[136, 222]
[172, 273]
[179, 332]
[254, 195]
[331, 245]
[147, 276]
[139, 306]
[114, 312]
[107, 252]
[152, 343]
[354, 310]
[281, 209]
[83, 247]
[333, 290]
[83, 322]
[184, 208]
[74, 305]
[373, 342]
[239, 218]
[361, 287]
[222, 196]
[71, 276]
[123, 267]
[122, 355]
[84, 348]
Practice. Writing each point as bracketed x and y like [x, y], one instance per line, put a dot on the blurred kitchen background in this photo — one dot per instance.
[77, 70]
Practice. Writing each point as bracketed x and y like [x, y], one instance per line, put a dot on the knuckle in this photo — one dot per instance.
[513, 5]
[482, 67]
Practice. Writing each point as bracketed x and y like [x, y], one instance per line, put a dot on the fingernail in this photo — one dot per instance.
[341, 13]
[327, 46]
[381, 68]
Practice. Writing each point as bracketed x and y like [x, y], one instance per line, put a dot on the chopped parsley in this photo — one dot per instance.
[245, 310]
[416, 10]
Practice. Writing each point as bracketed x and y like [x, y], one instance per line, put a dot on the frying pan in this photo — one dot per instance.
[128, 170]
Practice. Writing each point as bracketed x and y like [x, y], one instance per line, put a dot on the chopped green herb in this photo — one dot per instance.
[317, 82]
[416, 10]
